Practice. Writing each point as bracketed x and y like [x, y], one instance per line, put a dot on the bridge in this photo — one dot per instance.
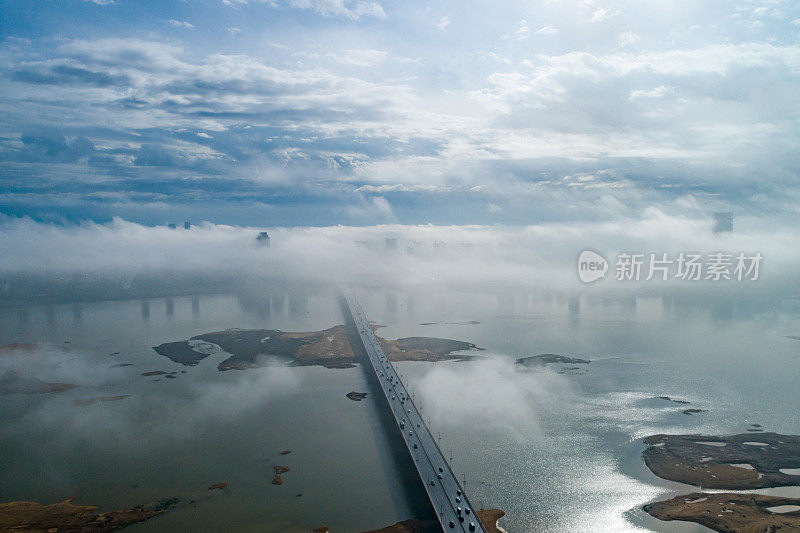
[447, 497]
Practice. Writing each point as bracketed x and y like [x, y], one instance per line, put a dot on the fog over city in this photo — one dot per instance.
[536, 256]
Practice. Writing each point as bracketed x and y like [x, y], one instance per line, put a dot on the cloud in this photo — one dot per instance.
[401, 187]
[201, 400]
[326, 106]
[658, 92]
[523, 31]
[547, 30]
[353, 10]
[362, 57]
[371, 208]
[181, 24]
[49, 146]
[601, 14]
[443, 23]
[489, 395]
[515, 254]
[627, 38]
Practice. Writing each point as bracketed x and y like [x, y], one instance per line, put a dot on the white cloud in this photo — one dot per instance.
[402, 187]
[443, 23]
[372, 208]
[361, 57]
[347, 9]
[490, 395]
[523, 30]
[181, 24]
[547, 30]
[601, 14]
[511, 253]
[627, 38]
[658, 92]
[353, 10]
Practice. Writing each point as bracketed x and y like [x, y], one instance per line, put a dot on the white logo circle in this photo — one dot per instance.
[591, 266]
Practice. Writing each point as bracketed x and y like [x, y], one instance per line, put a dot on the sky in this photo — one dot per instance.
[357, 112]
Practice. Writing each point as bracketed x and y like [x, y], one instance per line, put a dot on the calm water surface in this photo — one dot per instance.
[557, 451]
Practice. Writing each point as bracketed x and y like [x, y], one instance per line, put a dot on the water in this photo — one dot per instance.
[558, 452]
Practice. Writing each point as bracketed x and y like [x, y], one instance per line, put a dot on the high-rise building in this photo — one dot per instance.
[263, 239]
[187, 225]
[391, 245]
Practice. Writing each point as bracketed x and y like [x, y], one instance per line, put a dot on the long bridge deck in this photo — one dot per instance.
[447, 497]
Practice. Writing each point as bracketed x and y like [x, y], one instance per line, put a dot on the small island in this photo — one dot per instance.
[733, 462]
[728, 512]
[64, 516]
[565, 364]
[728, 462]
[329, 348]
[356, 396]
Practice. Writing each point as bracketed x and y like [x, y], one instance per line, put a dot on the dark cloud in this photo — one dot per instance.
[54, 147]
[68, 75]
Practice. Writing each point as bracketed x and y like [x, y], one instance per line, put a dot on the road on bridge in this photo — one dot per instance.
[451, 505]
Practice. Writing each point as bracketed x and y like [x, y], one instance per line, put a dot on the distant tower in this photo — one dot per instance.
[723, 222]
[173, 226]
[391, 245]
[263, 239]
[187, 225]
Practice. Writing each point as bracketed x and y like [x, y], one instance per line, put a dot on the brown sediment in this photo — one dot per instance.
[278, 480]
[12, 382]
[329, 348]
[218, 486]
[90, 401]
[34, 517]
[154, 373]
[286, 452]
[27, 348]
[488, 517]
[729, 512]
[690, 459]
